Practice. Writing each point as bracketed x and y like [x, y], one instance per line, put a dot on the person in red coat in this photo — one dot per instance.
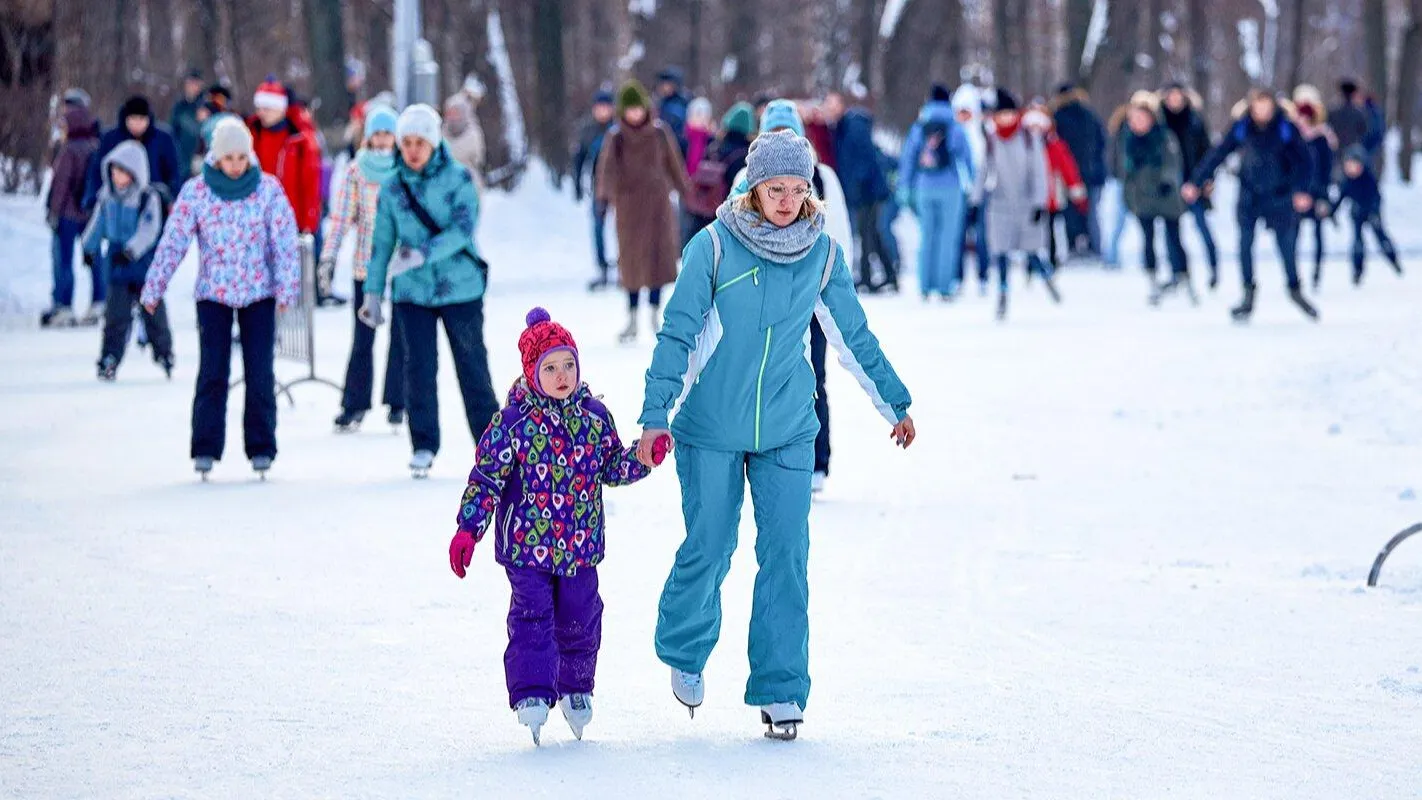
[287, 147]
[1064, 182]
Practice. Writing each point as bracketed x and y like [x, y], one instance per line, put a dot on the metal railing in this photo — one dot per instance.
[296, 329]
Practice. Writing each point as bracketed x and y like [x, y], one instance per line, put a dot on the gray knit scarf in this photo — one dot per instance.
[782, 245]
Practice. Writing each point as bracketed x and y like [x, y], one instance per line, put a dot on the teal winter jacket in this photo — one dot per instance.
[449, 273]
[732, 363]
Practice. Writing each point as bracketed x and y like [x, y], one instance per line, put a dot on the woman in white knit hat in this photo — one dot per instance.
[424, 242]
[248, 267]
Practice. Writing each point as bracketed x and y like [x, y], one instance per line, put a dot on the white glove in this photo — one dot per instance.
[370, 311]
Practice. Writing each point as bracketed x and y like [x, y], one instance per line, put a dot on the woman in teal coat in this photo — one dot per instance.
[731, 363]
[424, 243]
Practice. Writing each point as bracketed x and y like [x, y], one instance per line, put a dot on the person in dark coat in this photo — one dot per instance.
[1181, 110]
[1351, 121]
[1275, 171]
[186, 122]
[1085, 135]
[591, 135]
[1360, 188]
[672, 103]
[135, 121]
[1322, 144]
[67, 217]
[1149, 167]
[866, 188]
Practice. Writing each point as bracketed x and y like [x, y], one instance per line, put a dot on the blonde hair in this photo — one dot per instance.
[750, 201]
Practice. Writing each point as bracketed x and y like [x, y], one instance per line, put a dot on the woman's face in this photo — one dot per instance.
[1141, 121]
[383, 141]
[234, 165]
[634, 116]
[416, 151]
[782, 198]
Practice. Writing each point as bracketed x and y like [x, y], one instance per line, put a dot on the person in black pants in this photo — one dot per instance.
[255, 269]
[818, 346]
[424, 237]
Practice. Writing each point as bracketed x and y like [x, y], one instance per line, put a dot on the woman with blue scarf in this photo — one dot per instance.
[354, 205]
[732, 362]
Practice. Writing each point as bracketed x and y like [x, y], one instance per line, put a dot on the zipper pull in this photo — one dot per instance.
[755, 276]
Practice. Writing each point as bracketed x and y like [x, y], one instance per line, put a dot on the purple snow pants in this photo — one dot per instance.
[555, 630]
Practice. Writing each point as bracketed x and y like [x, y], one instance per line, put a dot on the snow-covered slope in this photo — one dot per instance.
[1125, 559]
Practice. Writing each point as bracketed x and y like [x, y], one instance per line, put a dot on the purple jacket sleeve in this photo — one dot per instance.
[620, 466]
[495, 459]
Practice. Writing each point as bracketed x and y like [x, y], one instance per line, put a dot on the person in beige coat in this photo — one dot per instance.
[640, 166]
[462, 134]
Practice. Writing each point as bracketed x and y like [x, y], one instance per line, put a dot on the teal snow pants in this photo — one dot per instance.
[689, 615]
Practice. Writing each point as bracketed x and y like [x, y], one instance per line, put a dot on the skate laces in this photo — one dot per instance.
[692, 680]
[529, 702]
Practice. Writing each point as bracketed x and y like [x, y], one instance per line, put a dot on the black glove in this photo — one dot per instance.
[88, 259]
[973, 213]
[120, 258]
[1037, 214]
[1167, 189]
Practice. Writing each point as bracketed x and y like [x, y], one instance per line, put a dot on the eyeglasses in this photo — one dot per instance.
[778, 193]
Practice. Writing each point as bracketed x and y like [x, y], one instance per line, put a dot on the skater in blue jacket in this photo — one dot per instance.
[731, 356]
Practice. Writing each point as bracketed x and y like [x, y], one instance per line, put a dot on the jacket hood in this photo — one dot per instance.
[1074, 95]
[969, 98]
[133, 159]
[937, 111]
[521, 394]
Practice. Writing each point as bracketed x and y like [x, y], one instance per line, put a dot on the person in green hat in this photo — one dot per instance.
[638, 169]
[714, 177]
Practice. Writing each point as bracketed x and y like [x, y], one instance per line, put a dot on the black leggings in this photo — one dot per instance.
[654, 296]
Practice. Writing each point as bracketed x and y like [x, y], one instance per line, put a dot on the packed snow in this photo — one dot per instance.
[1126, 558]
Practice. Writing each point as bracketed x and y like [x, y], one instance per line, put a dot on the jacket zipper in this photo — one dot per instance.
[504, 530]
[759, 383]
[754, 273]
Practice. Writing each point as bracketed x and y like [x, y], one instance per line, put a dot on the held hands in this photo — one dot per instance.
[903, 433]
[1303, 202]
[325, 272]
[151, 308]
[1189, 193]
[461, 552]
[653, 447]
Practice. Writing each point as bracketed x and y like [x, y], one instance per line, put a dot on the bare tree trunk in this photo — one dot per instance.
[1409, 66]
[1155, 9]
[326, 39]
[239, 73]
[1002, 42]
[1299, 9]
[1200, 62]
[693, 56]
[868, 41]
[551, 120]
[1375, 45]
[163, 60]
[1078, 21]
[742, 33]
[202, 42]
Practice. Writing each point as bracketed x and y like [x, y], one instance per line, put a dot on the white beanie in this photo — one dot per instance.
[230, 136]
[419, 120]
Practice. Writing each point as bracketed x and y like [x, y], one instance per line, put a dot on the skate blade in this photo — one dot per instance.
[536, 741]
[782, 733]
[419, 474]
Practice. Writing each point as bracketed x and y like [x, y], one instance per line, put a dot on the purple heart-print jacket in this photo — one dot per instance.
[539, 472]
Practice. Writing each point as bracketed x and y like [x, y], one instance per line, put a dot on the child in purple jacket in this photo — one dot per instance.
[538, 475]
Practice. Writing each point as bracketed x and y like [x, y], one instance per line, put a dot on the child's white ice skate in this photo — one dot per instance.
[689, 689]
[533, 712]
[577, 710]
[782, 720]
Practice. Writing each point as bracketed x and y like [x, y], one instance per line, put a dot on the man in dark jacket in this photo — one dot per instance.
[1349, 119]
[672, 103]
[1085, 135]
[1182, 116]
[186, 122]
[1275, 170]
[135, 121]
[586, 150]
[67, 217]
[866, 188]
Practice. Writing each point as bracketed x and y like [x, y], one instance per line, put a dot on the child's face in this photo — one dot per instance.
[234, 165]
[1352, 168]
[119, 177]
[558, 375]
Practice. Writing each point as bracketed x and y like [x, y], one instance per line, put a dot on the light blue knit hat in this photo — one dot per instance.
[779, 155]
[781, 114]
[379, 119]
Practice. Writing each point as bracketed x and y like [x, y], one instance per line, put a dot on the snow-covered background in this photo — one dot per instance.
[1126, 559]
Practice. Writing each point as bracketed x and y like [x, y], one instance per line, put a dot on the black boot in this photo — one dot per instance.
[396, 416]
[349, 421]
[1245, 309]
[1296, 294]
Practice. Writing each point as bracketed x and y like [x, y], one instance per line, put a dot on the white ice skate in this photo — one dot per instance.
[782, 720]
[817, 482]
[420, 464]
[260, 465]
[533, 712]
[689, 689]
[203, 465]
[577, 710]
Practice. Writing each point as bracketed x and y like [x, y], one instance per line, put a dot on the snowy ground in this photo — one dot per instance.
[1126, 559]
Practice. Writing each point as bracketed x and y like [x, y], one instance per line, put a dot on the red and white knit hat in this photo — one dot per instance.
[271, 95]
[540, 339]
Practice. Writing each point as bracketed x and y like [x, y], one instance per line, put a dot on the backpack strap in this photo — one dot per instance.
[715, 258]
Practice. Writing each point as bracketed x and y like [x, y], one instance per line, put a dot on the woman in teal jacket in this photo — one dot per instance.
[424, 242]
[732, 363]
